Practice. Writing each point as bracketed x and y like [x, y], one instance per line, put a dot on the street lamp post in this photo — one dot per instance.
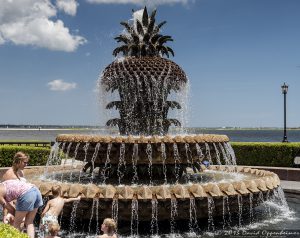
[284, 89]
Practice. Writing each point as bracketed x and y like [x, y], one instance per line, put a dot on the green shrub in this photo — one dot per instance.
[8, 231]
[38, 155]
[266, 153]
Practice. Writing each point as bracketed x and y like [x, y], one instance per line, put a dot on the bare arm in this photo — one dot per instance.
[9, 174]
[7, 206]
[46, 209]
[10, 208]
[72, 199]
[4, 203]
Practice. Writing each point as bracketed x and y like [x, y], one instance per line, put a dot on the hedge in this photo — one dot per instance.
[8, 231]
[247, 153]
[38, 155]
[266, 153]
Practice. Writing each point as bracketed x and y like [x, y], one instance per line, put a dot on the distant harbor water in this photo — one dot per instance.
[242, 135]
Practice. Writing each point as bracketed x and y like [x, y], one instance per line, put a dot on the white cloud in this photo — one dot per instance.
[140, 2]
[116, 1]
[60, 85]
[68, 6]
[1, 40]
[28, 22]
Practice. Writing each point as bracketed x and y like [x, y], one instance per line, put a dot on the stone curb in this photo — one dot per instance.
[284, 173]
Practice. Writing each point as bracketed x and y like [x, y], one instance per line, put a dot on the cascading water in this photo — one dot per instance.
[154, 217]
[94, 158]
[208, 153]
[176, 162]
[73, 217]
[240, 213]
[174, 214]
[226, 213]
[122, 163]
[115, 210]
[134, 163]
[92, 214]
[149, 153]
[107, 164]
[217, 154]
[145, 175]
[74, 158]
[211, 208]
[134, 218]
[193, 223]
[251, 207]
[163, 155]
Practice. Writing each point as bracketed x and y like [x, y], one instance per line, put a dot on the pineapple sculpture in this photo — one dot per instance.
[143, 79]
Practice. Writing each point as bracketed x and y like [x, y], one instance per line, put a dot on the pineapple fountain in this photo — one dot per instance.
[145, 174]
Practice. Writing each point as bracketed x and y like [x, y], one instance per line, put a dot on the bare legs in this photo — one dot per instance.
[29, 217]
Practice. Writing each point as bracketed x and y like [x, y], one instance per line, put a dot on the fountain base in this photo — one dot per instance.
[121, 199]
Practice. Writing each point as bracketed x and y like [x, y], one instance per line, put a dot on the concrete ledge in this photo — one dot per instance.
[284, 173]
[39, 170]
[291, 187]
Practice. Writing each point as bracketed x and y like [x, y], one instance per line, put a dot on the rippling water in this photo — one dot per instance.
[234, 135]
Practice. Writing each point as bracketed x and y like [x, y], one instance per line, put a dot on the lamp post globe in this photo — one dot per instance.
[284, 89]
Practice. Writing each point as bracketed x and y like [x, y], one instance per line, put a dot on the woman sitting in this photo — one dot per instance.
[16, 171]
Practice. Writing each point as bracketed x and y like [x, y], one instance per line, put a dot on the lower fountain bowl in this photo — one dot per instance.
[119, 201]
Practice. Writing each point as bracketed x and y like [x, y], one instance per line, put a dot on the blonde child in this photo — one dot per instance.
[53, 228]
[54, 207]
[109, 228]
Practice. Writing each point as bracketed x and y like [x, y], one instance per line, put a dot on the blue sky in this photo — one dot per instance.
[236, 54]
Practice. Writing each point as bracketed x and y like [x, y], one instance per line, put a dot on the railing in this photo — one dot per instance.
[28, 143]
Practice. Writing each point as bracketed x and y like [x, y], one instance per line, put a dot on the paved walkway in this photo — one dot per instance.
[290, 186]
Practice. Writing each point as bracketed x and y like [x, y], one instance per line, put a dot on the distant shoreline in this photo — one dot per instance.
[251, 129]
[112, 129]
[235, 134]
[50, 129]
